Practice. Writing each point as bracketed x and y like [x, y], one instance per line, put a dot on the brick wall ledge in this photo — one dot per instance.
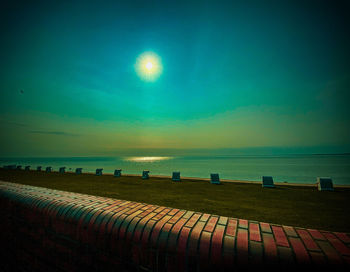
[50, 230]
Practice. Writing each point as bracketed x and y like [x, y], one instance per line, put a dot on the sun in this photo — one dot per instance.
[148, 66]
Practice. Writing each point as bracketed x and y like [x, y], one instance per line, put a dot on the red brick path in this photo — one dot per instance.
[109, 232]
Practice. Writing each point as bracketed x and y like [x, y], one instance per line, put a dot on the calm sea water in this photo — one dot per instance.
[292, 169]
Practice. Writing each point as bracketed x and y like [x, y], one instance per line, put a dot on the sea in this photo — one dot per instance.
[302, 169]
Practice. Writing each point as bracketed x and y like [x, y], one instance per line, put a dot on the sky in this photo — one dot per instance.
[236, 75]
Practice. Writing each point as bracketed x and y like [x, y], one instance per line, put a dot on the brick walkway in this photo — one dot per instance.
[150, 237]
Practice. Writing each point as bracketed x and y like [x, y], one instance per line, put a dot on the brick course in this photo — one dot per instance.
[44, 229]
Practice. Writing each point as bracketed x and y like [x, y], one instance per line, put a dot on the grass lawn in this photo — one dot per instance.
[287, 205]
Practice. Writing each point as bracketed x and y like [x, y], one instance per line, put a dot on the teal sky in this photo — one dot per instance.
[236, 74]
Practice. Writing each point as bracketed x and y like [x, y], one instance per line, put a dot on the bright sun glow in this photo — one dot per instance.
[148, 66]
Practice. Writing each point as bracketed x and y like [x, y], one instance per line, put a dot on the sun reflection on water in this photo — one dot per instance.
[147, 159]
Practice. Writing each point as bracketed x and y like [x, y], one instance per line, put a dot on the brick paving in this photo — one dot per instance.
[158, 238]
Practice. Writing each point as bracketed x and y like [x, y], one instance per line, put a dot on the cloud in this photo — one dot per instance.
[60, 133]
[12, 123]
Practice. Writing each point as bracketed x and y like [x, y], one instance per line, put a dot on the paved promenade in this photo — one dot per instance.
[153, 238]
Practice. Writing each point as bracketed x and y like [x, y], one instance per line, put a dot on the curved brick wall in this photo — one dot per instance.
[45, 229]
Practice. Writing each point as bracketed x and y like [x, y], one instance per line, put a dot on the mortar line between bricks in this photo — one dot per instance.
[211, 234]
[222, 242]
[235, 245]
[105, 214]
[331, 244]
[51, 209]
[183, 225]
[40, 204]
[128, 219]
[180, 217]
[36, 204]
[143, 227]
[170, 230]
[108, 215]
[323, 251]
[263, 246]
[275, 241]
[187, 244]
[93, 221]
[120, 220]
[149, 234]
[86, 216]
[261, 238]
[118, 214]
[210, 242]
[177, 237]
[248, 234]
[71, 216]
[68, 211]
[158, 241]
[158, 219]
[179, 232]
[223, 239]
[160, 230]
[303, 243]
[131, 236]
[197, 254]
[109, 233]
[290, 244]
